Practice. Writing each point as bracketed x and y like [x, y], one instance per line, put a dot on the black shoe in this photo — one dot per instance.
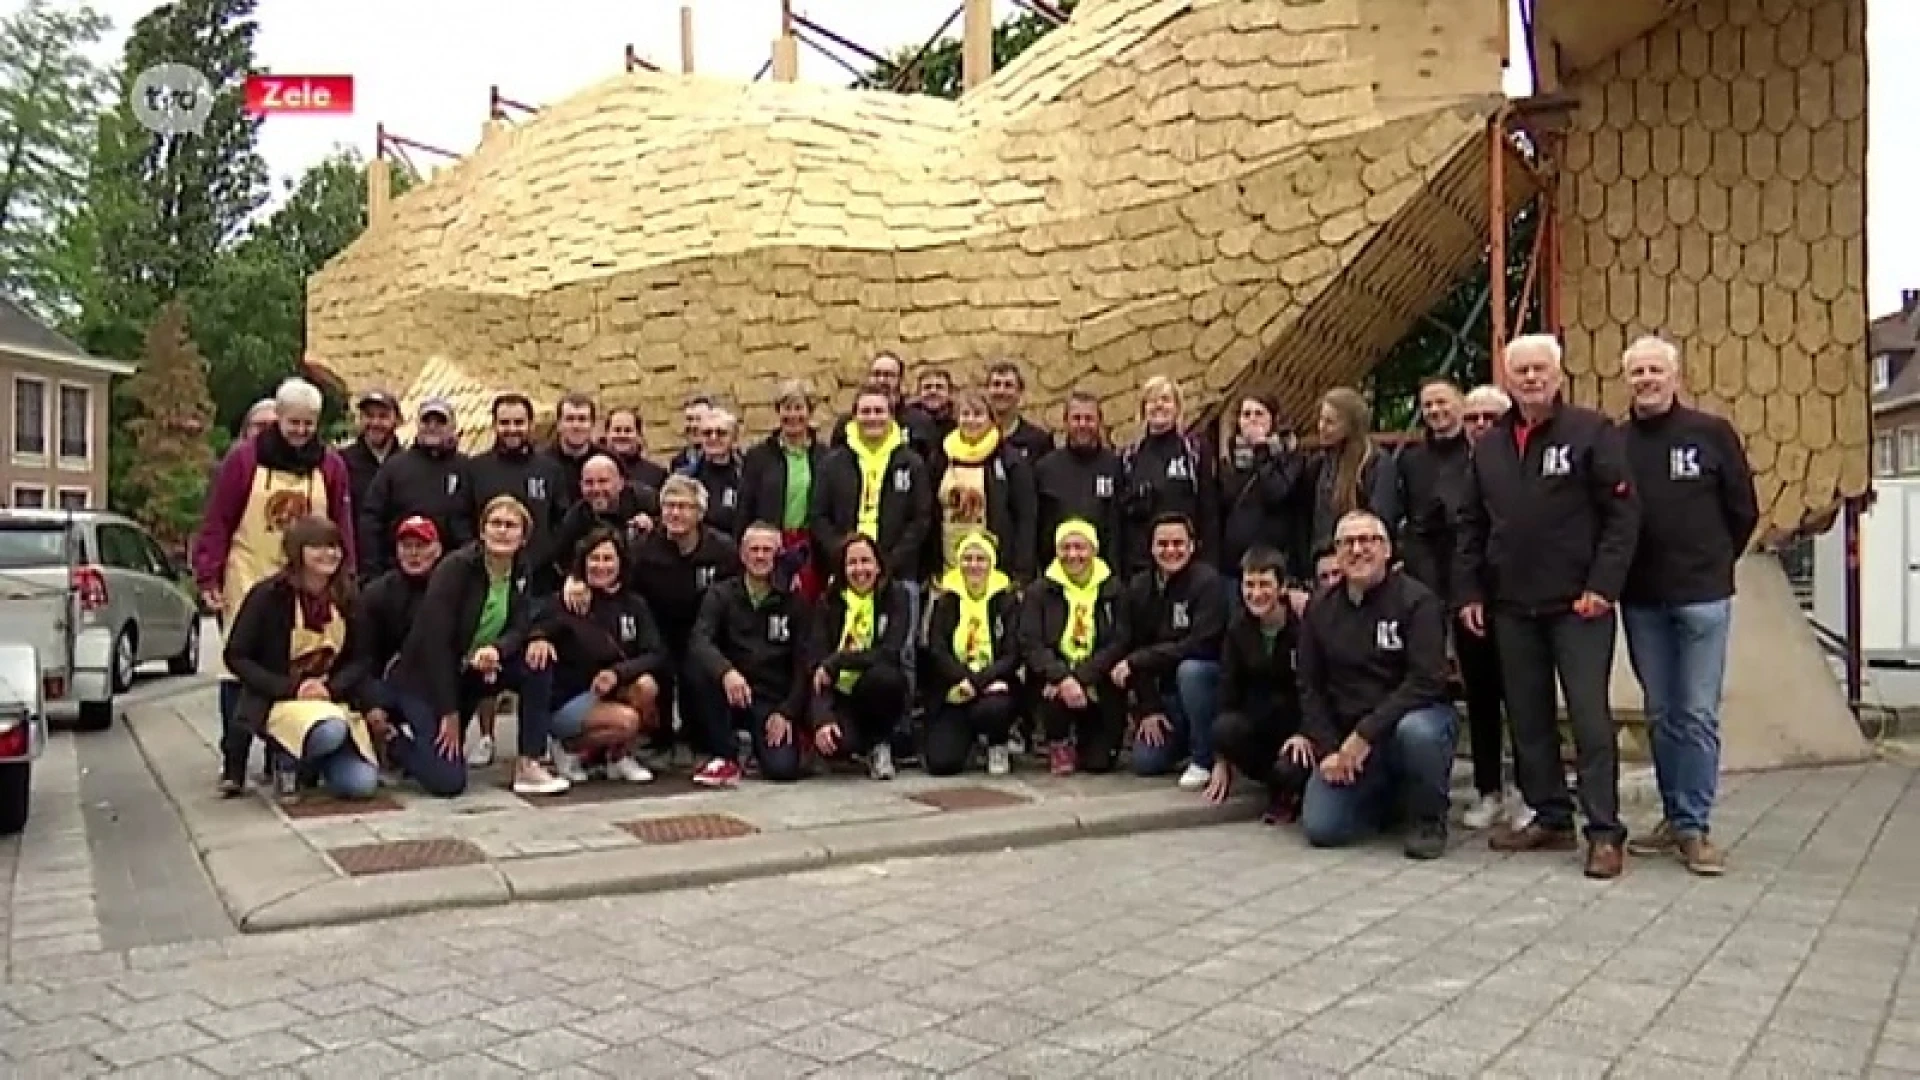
[1427, 840]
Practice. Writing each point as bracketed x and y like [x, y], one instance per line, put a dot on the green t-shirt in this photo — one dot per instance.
[493, 614]
[793, 515]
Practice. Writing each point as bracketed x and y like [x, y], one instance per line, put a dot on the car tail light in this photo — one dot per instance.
[13, 740]
[53, 687]
[91, 586]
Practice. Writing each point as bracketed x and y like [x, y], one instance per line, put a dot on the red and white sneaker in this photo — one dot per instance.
[718, 773]
[1061, 759]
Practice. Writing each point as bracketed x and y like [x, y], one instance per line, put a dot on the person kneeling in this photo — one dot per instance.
[292, 649]
[859, 691]
[1373, 693]
[1258, 730]
[606, 666]
[1073, 630]
[751, 639]
[974, 662]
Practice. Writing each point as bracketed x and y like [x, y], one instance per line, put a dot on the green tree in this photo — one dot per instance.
[939, 71]
[50, 92]
[166, 481]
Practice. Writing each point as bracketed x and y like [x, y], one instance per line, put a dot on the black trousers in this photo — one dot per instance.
[1250, 741]
[1096, 730]
[953, 729]
[1479, 657]
[868, 713]
[1533, 650]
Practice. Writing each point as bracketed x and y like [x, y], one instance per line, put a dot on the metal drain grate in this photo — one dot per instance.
[394, 856]
[325, 806]
[969, 798]
[688, 827]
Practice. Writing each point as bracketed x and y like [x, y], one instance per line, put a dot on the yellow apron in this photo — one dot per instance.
[276, 500]
[315, 653]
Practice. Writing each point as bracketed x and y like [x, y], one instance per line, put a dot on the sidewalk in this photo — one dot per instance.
[322, 862]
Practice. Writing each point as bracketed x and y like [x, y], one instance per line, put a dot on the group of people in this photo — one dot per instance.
[941, 578]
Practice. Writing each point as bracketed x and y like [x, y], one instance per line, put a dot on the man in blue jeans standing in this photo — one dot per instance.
[1177, 609]
[1699, 513]
[1373, 698]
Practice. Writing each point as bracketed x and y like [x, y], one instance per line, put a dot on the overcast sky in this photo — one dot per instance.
[423, 67]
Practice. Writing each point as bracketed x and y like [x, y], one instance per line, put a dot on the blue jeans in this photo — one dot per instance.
[1679, 654]
[1414, 764]
[416, 727]
[910, 652]
[778, 764]
[330, 754]
[1192, 700]
[570, 720]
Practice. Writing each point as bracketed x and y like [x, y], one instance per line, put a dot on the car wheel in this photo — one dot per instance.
[188, 662]
[16, 792]
[125, 659]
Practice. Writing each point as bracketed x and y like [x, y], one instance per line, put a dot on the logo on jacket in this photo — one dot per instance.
[628, 631]
[1180, 618]
[999, 469]
[902, 480]
[1103, 487]
[1683, 463]
[777, 631]
[537, 488]
[730, 497]
[1177, 469]
[453, 483]
[1386, 635]
[703, 577]
[1557, 461]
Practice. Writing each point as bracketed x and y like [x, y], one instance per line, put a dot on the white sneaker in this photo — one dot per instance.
[1484, 812]
[625, 768]
[534, 779]
[1194, 778]
[566, 763]
[999, 760]
[880, 762]
[1015, 745]
[480, 752]
[1519, 814]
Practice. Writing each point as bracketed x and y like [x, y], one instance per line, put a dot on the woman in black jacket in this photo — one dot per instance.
[718, 470]
[606, 664]
[1347, 473]
[981, 483]
[776, 486]
[973, 662]
[1258, 472]
[291, 646]
[471, 641]
[1167, 472]
[859, 690]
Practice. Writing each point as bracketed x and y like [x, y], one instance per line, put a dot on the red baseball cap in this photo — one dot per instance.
[417, 528]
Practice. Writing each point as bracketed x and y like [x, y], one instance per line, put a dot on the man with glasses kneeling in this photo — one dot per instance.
[1373, 694]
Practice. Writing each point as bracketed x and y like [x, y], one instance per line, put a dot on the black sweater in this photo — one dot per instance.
[417, 480]
[763, 479]
[259, 651]
[722, 482]
[1364, 665]
[616, 634]
[434, 657]
[1085, 484]
[533, 478]
[1180, 618]
[554, 560]
[891, 625]
[906, 509]
[768, 644]
[386, 608]
[674, 583]
[1257, 504]
[1257, 677]
[1011, 516]
[946, 666]
[1697, 507]
[1043, 622]
[1168, 473]
[1433, 480]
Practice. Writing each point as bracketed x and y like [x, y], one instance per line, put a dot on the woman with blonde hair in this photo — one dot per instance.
[1167, 471]
[1347, 472]
[981, 483]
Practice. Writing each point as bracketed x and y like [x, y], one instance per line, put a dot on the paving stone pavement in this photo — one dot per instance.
[1232, 951]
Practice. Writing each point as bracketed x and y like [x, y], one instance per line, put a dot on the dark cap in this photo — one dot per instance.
[378, 397]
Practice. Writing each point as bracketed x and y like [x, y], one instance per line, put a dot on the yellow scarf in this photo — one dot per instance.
[973, 630]
[962, 451]
[856, 632]
[1077, 638]
[873, 474]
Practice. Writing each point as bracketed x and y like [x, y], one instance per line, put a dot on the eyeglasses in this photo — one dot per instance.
[1481, 417]
[715, 432]
[1369, 540]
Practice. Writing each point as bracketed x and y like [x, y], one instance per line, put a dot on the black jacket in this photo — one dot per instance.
[944, 664]
[259, 650]
[386, 608]
[1011, 514]
[1088, 485]
[617, 634]
[763, 480]
[673, 583]
[906, 509]
[533, 478]
[1365, 665]
[1257, 504]
[923, 433]
[1433, 480]
[722, 483]
[1029, 439]
[1043, 622]
[417, 480]
[1550, 512]
[553, 560]
[1179, 618]
[1379, 489]
[1257, 678]
[641, 473]
[434, 656]
[1697, 507]
[568, 466]
[1168, 473]
[362, 466]
[892, 624]
[769, 644]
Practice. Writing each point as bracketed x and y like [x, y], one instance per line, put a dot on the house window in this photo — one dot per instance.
[29, 417]
[1883, 454]
[76, 424]
[1882, 372]
[1909, 450]
[29, 497]
[75, 498]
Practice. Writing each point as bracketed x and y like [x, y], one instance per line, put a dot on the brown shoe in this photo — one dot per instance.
[1530, 837]
[1605, 860]
[1659, 841]
[1699, 856]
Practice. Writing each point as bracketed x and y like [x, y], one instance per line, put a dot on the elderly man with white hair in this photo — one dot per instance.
[1546, 534]
[1700, 512]
[266, 483]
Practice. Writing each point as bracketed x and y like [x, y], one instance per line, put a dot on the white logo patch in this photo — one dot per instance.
[536, 488]
[628, 631]
[1683, 463]
[453, 483]
[999, 469]
[1177, 469]
[1103, 487]
[1181, 621]
[730, 497]
[777, 629]
[703, 577]
[1557, 461]
[1386, 635]
[903, 480]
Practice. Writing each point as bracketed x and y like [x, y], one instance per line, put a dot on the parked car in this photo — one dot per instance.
[95, 597]
[23, 733]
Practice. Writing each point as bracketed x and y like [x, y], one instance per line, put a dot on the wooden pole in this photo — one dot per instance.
[379, 188]
[976, 50]
[786, 49]
[686, 39]
[1497, 241]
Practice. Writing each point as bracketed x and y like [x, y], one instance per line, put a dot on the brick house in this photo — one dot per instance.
[1894, 340]
[54, 429]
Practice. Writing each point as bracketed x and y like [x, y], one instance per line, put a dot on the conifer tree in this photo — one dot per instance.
[172, 459]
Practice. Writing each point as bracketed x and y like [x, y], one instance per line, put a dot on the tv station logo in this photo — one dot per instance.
[177, 99]
[316, 95]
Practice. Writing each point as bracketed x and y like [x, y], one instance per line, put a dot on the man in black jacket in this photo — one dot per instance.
[1698, 513]
[752, 639]
[1373, 699]
[1433, 476]
[1006, 388]
[1258, 730]
[574, 417]
[512, 467]
[888, 374]
[388, 606]
[606, 499]
[1082, 480]
[426, 479]
[1546, 535]
[378, 413]
[1177, 611]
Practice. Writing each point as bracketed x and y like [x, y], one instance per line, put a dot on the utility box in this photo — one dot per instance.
[1889, 576]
